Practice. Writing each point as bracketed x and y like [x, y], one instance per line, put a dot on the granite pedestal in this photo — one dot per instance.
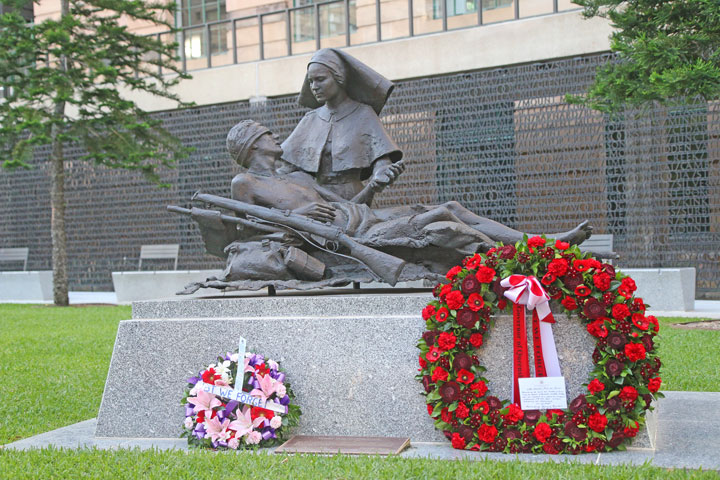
[351, 360]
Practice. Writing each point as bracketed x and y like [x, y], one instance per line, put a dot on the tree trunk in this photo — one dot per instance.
[57, 222]
[57, 194]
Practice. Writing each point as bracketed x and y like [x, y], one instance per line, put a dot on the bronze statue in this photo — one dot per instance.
[297, 233]
[341, 142]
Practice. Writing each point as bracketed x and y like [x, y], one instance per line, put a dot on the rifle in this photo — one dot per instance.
[385, 266]
[214, 214]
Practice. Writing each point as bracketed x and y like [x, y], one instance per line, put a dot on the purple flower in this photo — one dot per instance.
[578, 404]
[285, 400]
[199, 431]
[532, 416]
[189, 410]
[614, 367]
[194, 380]
[576, 433]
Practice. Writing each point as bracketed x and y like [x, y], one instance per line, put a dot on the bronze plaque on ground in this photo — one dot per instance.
[346, 445]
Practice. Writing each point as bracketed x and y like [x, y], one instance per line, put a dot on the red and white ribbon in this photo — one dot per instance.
[528, 292]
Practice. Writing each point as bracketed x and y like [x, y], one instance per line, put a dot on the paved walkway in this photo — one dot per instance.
[688, 436]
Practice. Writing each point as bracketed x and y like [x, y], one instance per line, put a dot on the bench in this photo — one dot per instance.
[21, 285]
[159, 252]
[15, 255]
[600, 245]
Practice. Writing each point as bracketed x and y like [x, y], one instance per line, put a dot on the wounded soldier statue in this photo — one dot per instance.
[281, 228]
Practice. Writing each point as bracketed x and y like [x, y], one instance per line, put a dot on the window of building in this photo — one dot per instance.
[196, 13]
[332, 19]
[462, 7]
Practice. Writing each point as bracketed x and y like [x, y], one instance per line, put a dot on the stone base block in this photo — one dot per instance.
[665, 289]
[33, 286]
[351, 360]
[134, 286]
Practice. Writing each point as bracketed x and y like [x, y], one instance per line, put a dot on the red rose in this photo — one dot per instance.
[462, 411]
[597, 328]
[634, 351]
[569, 303]
[558, 267]
[582, 291]
[476, 339]
[442, 314]
[561, 245]
[445, 290]
[628, 393]
[514, 415]
[542, 432]
[640, 321]
[487, 433]
[475, 302]
[454, 300]
[467, 318]
[631, 431]
[428, 312]
[423, 362]
[479, 388]
[654, 322]
[628, 284]
[473, 261]
[446, 341]
[601, 281]
[457, 441]
[434, 354]
[620, 311]
[548, 278]
[654, 384]
[439, 375]
[430, 409]
[452, 273]
[485, 274]
[465, 376]
[445, 415]
[596, 386]
[536, 242]
[597, 422]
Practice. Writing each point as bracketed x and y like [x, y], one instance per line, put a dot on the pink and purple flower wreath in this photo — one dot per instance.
[212, 421]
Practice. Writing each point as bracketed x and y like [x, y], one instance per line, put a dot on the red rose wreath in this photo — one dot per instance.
[621, 386]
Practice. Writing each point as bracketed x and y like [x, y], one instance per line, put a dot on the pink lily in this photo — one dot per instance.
[268, 386]
[216, 430]
[204, 401]
[244, 423]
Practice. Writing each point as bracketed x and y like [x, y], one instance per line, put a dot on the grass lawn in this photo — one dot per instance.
[53, 364]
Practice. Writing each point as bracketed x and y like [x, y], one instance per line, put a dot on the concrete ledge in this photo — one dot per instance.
[352, 366]
[665, 289]
[135, 286]
[33, 286]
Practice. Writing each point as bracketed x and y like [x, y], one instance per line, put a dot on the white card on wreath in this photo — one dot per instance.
[541, 393]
